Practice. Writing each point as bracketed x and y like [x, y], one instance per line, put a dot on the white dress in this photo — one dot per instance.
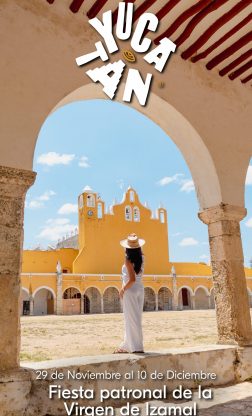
[133, 300]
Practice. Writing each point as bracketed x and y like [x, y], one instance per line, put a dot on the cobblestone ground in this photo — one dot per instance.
[235, 408]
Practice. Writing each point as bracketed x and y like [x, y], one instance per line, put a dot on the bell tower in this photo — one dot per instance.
[90, 208]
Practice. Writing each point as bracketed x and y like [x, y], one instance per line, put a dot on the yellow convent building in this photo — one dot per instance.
[83, 274]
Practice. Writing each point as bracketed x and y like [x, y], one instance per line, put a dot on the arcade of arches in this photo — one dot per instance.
[92, 301]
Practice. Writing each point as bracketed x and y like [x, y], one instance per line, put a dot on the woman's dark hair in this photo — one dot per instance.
[135, 256]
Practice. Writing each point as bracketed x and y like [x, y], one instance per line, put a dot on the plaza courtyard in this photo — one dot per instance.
[52, 337]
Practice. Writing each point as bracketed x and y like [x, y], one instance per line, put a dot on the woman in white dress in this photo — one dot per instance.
[132, 295]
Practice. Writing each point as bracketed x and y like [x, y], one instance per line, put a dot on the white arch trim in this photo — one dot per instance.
[72, 287]
[204, 288]
[178, 128]
[186, 287]
[92, 287]
[25, 290]
[110, 287]
[149, 287]
[164, 287]
[44, 287]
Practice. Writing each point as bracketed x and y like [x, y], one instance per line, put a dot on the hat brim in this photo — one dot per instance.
[124, 243]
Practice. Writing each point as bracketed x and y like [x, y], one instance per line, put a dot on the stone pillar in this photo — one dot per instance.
[209, 301]
[230, 289]
[175, 302]
[14, 184]
[156, 301]
[59, 295]
[192, 298]
[31, 305]
[82, 305]
[102, 304]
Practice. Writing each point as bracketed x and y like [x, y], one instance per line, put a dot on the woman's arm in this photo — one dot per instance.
[132, 277]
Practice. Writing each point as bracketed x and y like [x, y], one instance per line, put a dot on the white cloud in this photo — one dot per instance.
[56, 229]
[249, 223]
[188, 241]
[83, 162]
[176, 234]
[68, 209]
[169, 179]
[249, 176]
[38, 202]
[53, 158]
[46, 196]
[34, 204]
[187, 186]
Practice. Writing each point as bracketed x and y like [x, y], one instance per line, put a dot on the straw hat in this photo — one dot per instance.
[132, 241]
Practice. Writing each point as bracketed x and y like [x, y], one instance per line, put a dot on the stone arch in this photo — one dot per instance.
[111, 300]
[185, 297]
[71, 301]
[149, 299]
[177, 128]
[44, 298]
[164, 299]
[201, 294]
[94, 297]
[25, 302]
[71, 292]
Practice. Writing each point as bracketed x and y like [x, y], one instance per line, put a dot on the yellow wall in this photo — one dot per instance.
[35, 261]
[100, 251]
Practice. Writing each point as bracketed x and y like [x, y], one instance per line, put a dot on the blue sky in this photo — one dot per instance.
[109, 146]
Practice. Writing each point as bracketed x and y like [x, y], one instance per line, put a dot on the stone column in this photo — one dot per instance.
[102, 304]
[209, 301]
[14, 184]
[231, 297]
[192, 298]
[156, 301]
[59, 295]
[82, 305]
[175, 302]
[31, 305]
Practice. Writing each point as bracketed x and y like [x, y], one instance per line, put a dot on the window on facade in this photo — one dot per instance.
[128, 214]
[136, 214]
[132, 196]
[90, 200]
[81, 201]
[162, 216]
[99, 210]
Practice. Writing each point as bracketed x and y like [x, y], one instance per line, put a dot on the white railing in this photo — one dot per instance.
[102, 276]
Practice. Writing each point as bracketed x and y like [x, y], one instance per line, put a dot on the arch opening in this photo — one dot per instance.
[149, 299]
[71, 302]
[164, 299]
[185, 299]
[43, 302]
[94, 298]
[111, 300]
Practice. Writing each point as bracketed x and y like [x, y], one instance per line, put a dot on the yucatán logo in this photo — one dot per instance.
[109, 75]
